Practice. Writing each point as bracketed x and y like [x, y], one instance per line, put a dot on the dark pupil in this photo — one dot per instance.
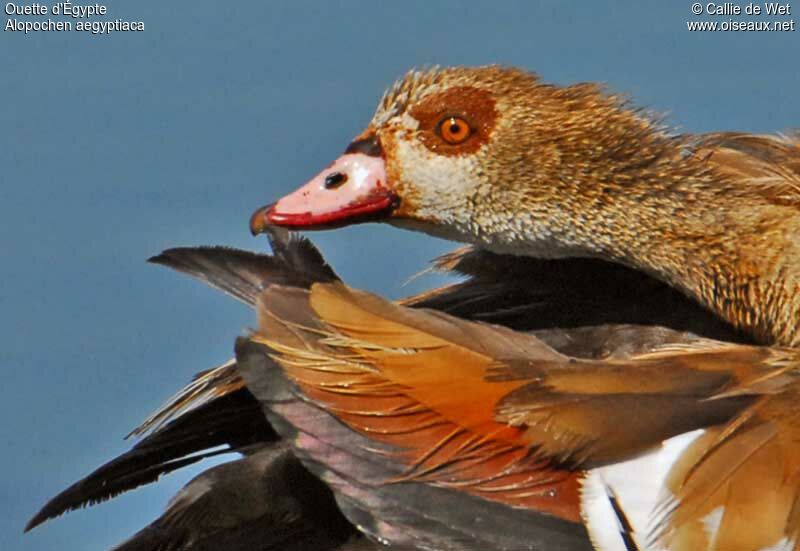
[455, 127]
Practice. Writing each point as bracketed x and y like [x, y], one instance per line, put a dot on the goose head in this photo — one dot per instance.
[485, 155]
[495, 157]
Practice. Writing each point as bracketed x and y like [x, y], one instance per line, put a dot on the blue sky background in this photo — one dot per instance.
[116, 147]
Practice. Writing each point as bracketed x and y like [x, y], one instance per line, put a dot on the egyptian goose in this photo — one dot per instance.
[620, 276]
[496, 158]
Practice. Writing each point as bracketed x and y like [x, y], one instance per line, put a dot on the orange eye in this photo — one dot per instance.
[454, 130]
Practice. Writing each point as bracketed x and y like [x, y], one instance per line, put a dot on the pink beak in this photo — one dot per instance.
[353, 189]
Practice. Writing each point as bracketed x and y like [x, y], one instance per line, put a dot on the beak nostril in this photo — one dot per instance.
[335, 180]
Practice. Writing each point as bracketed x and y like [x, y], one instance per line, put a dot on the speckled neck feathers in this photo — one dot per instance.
[575, 171]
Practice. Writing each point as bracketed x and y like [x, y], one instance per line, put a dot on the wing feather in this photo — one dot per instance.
[415, 380]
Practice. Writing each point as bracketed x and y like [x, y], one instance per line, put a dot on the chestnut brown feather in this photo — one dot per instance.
[381, 369]
[503, 416]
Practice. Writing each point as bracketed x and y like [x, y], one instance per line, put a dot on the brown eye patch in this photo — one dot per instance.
[457, 121]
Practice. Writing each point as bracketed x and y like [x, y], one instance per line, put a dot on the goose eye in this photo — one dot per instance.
[454, 130]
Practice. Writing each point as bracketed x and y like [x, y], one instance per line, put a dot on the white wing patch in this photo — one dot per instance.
[638, 486]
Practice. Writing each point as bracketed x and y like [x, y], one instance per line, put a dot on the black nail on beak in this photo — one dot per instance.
[335, 180]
